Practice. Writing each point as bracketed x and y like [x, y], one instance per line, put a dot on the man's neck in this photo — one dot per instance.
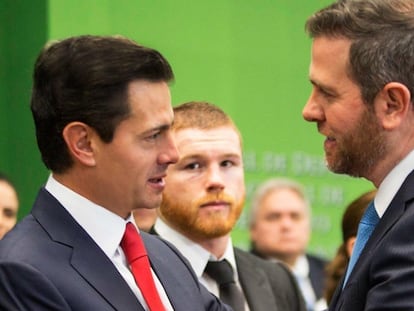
[216, 246]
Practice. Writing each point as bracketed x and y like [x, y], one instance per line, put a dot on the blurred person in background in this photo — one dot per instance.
[280, 229]
[9, 204]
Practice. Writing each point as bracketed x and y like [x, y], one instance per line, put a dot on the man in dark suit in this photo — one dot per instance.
[203, 199]
[362, 101]
[317, 274]
[280, 229]
[102, 112]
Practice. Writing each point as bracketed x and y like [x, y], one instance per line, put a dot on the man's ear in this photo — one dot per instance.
[77, 136]
[393, 105]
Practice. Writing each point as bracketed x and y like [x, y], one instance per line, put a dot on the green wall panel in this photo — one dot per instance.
[250, 58]
[23, 32]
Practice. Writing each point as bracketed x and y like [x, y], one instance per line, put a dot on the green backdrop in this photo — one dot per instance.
[250, 58]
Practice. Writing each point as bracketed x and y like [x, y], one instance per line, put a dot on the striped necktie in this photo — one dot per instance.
[366, 227]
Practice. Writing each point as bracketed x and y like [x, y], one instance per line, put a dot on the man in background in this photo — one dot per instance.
[280, 229]
[9, 205]
[202, 201]
[103, 116]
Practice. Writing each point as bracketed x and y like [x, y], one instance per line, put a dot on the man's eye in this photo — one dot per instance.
[227, 163]
[154, 136]
[192, 166]
[273, 217]
[296, 217]
[326, 93]
[9, 213]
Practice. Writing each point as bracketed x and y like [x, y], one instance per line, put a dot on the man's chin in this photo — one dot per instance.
[214, 231]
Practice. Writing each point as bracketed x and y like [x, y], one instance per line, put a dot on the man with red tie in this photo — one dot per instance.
[102, 112]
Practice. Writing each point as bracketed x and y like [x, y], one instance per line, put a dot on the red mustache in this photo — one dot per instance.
[215, 198]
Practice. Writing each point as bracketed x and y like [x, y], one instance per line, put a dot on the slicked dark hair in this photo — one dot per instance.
[85, 79]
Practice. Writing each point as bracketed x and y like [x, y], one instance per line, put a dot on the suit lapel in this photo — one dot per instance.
[104, 277]
[178, 280]
[316, 275]
[393, 213]
[87, 258]
[336, 295]
[255, 286]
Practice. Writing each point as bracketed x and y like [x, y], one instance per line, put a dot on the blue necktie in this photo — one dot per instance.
[366, 227]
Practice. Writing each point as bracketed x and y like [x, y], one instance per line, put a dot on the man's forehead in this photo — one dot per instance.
[213, 135]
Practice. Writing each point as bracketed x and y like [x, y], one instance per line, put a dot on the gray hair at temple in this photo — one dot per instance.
[271, 185]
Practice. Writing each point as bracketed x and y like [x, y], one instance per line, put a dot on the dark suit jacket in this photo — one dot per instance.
[317, 274]
[48, 262]
[267, 286]
[383, 277]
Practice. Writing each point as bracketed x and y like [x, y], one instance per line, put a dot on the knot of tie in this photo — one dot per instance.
[132, 244]
[220, 271]
[370, 217]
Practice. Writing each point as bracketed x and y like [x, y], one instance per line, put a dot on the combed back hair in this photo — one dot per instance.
[271, 185]
[382, 40]
[85, 79]
[201, 115]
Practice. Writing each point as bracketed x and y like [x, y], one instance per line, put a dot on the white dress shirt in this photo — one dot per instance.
[106, 229]
[301, 272]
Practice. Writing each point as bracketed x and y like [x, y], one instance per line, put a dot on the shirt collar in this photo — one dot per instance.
[196, 255]
[301, 267]
[104, 227]
[392, 183]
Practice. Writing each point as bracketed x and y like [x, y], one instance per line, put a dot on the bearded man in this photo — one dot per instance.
[202, 201]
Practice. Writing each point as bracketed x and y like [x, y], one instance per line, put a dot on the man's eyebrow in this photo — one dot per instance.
[322, 86]
[162, 127]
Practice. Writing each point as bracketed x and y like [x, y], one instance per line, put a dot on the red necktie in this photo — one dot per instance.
[136, 255]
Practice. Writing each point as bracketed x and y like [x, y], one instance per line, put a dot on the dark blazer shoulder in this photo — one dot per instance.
[62, 261]
[58, 258]
[317, 273]
[386, 260]
[267, 283]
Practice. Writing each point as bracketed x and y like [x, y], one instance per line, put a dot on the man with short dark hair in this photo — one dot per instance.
[362, 101]
[103, 116]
